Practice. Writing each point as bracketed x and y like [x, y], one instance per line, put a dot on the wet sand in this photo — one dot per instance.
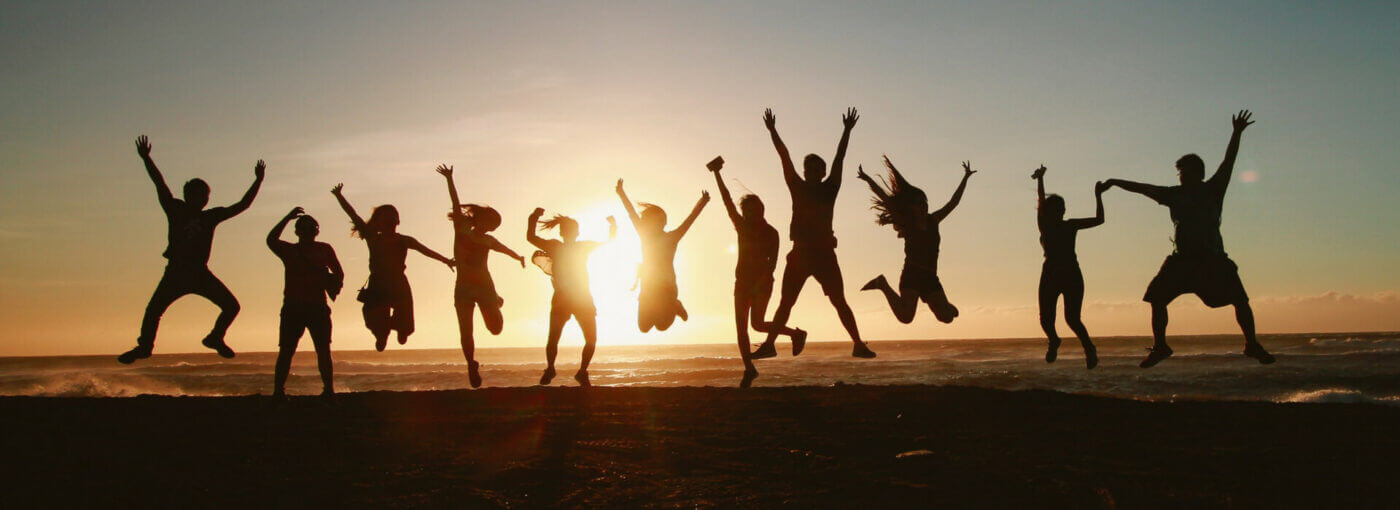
[836, 446]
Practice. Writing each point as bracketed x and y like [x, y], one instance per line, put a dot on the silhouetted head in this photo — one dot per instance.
[482, 218]
[905, 207]
[1052, 208]
[384, 218]
[813, 168]
[653, 219]
[751, 207]
[1190, 169]
[306, 228]
[568, 227]
[197, 193]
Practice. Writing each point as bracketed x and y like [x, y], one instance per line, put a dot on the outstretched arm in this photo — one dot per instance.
[1039, 176]
[143, 148]
[446, 172]
[612, 229]
[1152, 191]
[734, 216]
[259, 170]
[694, 213]
[275, 235]
[415, 245]
[849, 121]
[957, 195]
[1222, 175]
[501, 248]
[530, 235]
[1082, 223]
[789, 172]
[627, 204]
[349, 211]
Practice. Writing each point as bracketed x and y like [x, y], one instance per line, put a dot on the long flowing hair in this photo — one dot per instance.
[902, 201]
[482, 216]
[380, 220]
[558, 221]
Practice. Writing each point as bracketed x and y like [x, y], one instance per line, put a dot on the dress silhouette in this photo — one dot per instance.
[1060, 274]
[311, 272]
[1198, 263]
[190, 236]
[905, 208]
[658, 302]
[753, 273]
[387, 298]
[472, 242]
[565, 260]
[813, 252]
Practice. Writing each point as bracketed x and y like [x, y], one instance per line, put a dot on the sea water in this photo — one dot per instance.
[1360, 367]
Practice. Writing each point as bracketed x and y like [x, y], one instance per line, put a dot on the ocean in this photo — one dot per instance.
[1357, 367]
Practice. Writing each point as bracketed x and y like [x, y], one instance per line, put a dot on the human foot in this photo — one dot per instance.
[1256, 351]
[138, 352]
[1052, 351]
[750, 374]
[381, 341]
[474, 373]
[862, 350]
[878, 283]
[680, 311]
[548, 376]
[1091, 357]
[1155, 355]
[799, 341]
[582, 377]
[219, 346]
[764, 351]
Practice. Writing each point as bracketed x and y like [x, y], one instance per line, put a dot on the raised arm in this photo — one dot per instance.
[530, 235]
[446, 172]
[1152, 191]
[1082, 223]
[1039, 176]
[275, 236]
[957, 195]
[789, 172]
[417, 246]
[143, 148]
[259, 171]
[627, 204]
[694, 213]
[612, 229]
[848, 121]
[349, 211]
[1222, 175]
[734, 216]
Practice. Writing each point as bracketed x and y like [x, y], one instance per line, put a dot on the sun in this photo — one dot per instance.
[612, 273]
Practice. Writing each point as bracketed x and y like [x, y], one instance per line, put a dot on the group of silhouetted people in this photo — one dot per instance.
[1197, 265]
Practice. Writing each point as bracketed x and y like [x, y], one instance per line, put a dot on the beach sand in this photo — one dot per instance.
[848, 446]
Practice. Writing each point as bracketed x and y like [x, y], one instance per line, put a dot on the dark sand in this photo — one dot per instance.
[840, 446]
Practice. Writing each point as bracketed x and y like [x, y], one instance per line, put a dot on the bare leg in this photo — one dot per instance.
[1160, 350]
[1244, 314]
[491, 315]
[589, 325]
[1074, 304]
[215, 291]
[465, 314]
[284, 367]
[741, 319]
[1048, 297]
[904, 306]
[792, 287]
[321, 338]
[551, 347]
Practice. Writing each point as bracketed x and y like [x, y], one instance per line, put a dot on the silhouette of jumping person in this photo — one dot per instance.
[753, 274]
[471, 243]
[658, 301]
[190, 236]
[387, 298]
[312, 272]
[813, 252]
[1198, 264]
[1060, 272]
[565, 260]
[905, 207]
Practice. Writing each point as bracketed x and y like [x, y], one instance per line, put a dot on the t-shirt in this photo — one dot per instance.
[812, 206]
[921, 247]
[470, 255]
[308, 269]
[1195, 211]
[191, 232]
[758, 251]
[569, 265]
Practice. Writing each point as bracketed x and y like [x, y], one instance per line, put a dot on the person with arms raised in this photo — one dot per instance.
[565, 260]
[658, 302]
[1060, 274]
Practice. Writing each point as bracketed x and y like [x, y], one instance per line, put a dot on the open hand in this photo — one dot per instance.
[768, 118]
[296, 211]
[619, 187]
[850, 118]
[143, 146]
[612, 221]
[860, 173]
[704, 197]
[445, 170]
[335, 190]
[967, 169]
[1039, 172]
[1241, 120]
[260, 169]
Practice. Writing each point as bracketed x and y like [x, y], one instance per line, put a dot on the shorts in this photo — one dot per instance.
[816, 261]
[578, 304]
[924, 282]
[298, 318]
[754, 289]
[481, 295]
[1061, 278]
[388, 304]
[1214, 278]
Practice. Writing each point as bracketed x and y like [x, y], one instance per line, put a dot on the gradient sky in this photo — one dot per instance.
[547, 104]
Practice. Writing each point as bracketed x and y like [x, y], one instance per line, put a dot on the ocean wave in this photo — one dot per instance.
[1338, 396]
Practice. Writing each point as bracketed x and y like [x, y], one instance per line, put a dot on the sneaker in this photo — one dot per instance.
[381, 342]
[799, 341]
[547, 377]
[582, 377]
[1256, 351]
[219, 346]
[749, 375]
[878, 283]
[862, 350]
[1155, 355]
[474, 373]
[138, 352]
[764, 351]
[1052, 351]
[1091, 357]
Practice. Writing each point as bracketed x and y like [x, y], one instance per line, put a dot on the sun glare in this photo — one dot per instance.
[612, 272]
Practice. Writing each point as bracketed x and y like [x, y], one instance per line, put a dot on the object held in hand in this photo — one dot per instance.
[715, 164]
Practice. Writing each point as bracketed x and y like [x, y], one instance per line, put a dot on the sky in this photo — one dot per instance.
[548, 104]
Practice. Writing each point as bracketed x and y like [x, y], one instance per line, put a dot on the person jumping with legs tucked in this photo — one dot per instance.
[387, 298]
[190, 235]
[753, 274]
[565, 260]
[658, 302]
[1060, 272]
[1198, 264]
[312, 272]
[905, 207]
[472, 242]
[813, 252]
